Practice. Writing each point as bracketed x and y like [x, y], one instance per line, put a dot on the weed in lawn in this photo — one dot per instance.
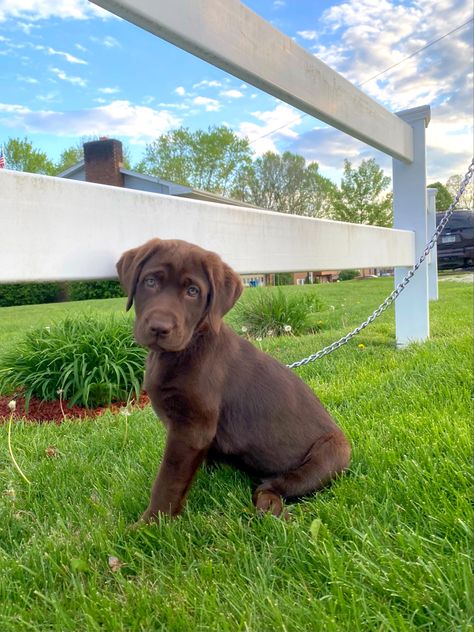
[274, 312]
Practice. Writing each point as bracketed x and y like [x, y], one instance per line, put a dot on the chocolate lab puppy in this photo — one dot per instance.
[217, 395]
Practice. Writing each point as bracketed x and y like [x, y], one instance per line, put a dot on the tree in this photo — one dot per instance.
[361, 198]
[204, 160]
[20, 155]
[443, 196]
[467, 198]
[286, 184]
[70, 157]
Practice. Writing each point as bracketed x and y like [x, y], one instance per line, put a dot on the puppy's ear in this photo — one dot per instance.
[130, 265]
[225, 289]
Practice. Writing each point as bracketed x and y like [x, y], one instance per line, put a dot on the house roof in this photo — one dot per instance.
[174, 189]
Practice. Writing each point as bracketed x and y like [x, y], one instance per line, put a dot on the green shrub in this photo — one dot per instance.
[270, 312]
[28, 293]
[86, 290]
[348, 275]
[284, 278]
[89, 360]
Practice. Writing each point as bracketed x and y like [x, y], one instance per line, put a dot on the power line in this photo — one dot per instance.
[370, 78]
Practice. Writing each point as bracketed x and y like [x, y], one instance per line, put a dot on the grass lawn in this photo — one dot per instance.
[386, 548]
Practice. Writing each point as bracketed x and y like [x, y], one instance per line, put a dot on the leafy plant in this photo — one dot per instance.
[28, 293]
[270, 312]
[86, 360]
[87, 290]
[348, 275]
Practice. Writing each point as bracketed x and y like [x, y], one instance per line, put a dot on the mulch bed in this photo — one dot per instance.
[40, 411]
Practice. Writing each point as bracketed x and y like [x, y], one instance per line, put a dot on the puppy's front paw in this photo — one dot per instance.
[147, 517]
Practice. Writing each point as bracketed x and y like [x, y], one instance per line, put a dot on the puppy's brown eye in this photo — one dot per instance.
[150, 282]
[193, 291]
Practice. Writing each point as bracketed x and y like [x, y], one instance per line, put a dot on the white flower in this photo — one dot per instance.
[287, 328]
[12, 405]
[270, 332]
[244, 329]
[259, 339]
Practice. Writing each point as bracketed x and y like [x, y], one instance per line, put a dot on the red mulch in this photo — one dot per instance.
[40, 411]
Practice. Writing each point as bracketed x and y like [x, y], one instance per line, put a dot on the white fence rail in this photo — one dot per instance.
[56, 229]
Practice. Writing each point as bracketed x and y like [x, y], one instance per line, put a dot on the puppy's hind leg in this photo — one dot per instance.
[327, 457]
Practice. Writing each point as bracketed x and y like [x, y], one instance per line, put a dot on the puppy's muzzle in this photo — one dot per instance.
[160, 327]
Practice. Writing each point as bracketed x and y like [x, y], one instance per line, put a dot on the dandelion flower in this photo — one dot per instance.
[287, 328]
[12, 405]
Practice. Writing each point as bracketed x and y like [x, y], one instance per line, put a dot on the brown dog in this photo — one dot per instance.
[219, 396]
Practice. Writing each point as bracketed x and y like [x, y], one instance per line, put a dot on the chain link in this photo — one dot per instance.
[400, 287]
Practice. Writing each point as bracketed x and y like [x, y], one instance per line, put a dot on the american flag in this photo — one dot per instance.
[2, 159]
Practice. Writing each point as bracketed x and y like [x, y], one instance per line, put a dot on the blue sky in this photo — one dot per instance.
[70, 70]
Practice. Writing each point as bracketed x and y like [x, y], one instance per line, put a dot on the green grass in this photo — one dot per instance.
[386, 548]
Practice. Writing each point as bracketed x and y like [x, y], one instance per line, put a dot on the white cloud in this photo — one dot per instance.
[231, 94]
[308, 35]
[27, 27]
[76, 81]
[51, 51]
[208, 84]
[108, 41]
[109, 90]
[120, 118]
[181, 91]
[211, 105]
[273, 125]
[31, 80]
[34, 10]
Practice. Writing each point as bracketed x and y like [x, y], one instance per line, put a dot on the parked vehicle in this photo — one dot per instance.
[456, 242]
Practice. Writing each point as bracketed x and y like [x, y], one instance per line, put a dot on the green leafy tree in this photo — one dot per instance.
[70, 157]
[443, 196]
[467, 198]
[21, 155]
[285, 183]
[361, 197]
[204, 160]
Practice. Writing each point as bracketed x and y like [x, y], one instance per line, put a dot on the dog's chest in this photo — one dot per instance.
[172, 391]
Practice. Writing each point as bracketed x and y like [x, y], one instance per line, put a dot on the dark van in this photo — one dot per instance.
[456, 242]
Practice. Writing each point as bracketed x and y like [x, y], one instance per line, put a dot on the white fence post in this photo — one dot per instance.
[410, 212]
[433, 256]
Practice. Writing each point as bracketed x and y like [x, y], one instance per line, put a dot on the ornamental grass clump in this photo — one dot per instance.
[272, 312]
[88, 361]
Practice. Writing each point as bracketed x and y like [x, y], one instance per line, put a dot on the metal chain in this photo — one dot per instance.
[400, 287]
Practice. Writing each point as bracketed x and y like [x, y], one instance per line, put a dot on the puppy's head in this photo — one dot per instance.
[178, 288]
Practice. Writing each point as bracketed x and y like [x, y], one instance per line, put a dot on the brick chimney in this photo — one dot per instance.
[103, 159]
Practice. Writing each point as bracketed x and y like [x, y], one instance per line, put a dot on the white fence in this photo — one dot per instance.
[60, 229]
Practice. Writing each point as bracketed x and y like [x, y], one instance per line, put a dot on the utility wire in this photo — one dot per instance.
[270, 133]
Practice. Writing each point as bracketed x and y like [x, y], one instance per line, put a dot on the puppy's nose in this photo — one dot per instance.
[160, 328]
